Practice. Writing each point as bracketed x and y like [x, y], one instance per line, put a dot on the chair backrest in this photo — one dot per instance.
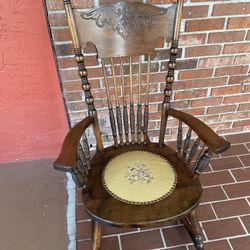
[124, 33]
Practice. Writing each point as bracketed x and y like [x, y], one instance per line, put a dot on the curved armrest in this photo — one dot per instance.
[67, 158]
[214, 142]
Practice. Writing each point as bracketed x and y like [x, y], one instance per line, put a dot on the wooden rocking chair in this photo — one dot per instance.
[135, 182]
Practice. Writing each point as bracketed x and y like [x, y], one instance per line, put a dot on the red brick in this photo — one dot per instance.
[220, 126]
[73, 96]
[238, 79]
[76, 106]
[107, 230]
[160, 1]
[238, 22]
[55, 5]
[195, 112]
[57, 19]
[242, 174]
[238, 149]
[244, 59]
[246, 221]
[237, 99]
[217, 178]
[236, 48]
[82, 4]
[241, 243]
[200, 83]
[231, 208]
[81, 214]
[233, 70]
[61, 34]
[203, 50]
[225, 37]
[64, 50]
[190, 94]
[231, 9]
[216, 61]
[213, 194]
[67, 62]
[205, 24]
[221, 109]
[68, 75]
[76, 85]
[234, 116]
[246, 160]
[216, 245]
[240, 138]
[242, 123]
[192, 74]
[237, 190]
[225, 163]
[192, 39]
[84, 230]
[195, 11]
[181, 104]
[206, 101]
[210, 119]
[248, 35]
[141, 241]
[179, 248]
[110, 243]
[226, 90]
[176, 236]
[205, 212]
[207, 0]
[246, 88]
[223, 228]
[230, 130]
[243, 107]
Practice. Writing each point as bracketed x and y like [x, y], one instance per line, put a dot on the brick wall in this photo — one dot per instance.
[212, 80]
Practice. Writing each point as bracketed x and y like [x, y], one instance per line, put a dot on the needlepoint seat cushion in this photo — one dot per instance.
[139, 177]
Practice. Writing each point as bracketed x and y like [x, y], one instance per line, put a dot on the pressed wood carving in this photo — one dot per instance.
[123, 18]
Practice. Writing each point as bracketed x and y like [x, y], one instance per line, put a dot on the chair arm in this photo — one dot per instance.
[213, 141]
[67, 158]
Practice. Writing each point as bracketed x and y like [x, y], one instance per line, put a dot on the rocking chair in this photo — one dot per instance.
[135, 182]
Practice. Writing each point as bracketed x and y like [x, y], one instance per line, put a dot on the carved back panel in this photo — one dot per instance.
[125, 35]
[125, 29]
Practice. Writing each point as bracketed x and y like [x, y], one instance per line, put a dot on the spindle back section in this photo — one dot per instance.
[120, 33]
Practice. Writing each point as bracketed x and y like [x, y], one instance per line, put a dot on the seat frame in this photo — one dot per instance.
[75, 156]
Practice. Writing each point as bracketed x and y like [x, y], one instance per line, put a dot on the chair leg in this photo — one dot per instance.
[97, 235]
[192, 225]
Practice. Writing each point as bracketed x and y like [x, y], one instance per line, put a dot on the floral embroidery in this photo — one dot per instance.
[139, 173]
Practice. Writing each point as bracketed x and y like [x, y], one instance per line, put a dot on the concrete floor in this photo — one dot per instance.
[33, 203]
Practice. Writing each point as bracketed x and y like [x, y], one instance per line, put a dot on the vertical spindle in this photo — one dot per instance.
[132, 112]
[146, 110]
[193, 150]
[124, 104]
[110, 106]
[179, 138]
[117, 105]
[202, 162]
[186, 144]
[139, 108]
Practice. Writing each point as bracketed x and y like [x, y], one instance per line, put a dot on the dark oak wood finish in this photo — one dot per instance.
[130, 28]
[101, 206]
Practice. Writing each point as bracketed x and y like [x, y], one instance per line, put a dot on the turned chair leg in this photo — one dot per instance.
[192, 225]
[97, 235]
